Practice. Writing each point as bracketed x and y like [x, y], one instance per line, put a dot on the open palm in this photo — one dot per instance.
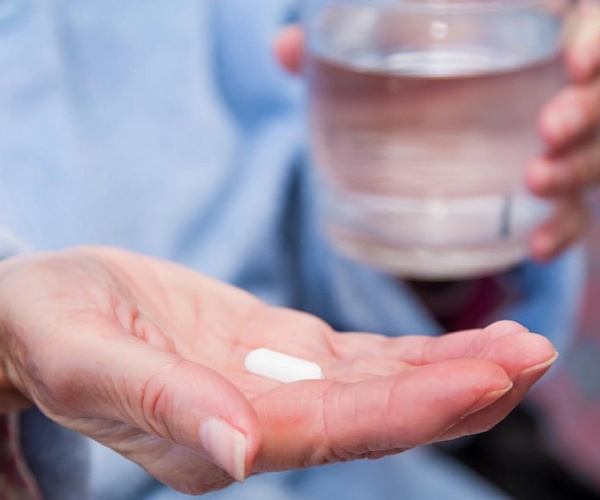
[147, 357]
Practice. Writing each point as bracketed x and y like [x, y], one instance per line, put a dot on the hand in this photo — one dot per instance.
[147, 357]
[570, 126]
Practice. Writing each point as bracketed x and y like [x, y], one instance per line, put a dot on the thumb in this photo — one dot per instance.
[289, 48]
[126, 380]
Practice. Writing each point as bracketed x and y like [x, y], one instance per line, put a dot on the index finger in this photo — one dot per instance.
[505, 343]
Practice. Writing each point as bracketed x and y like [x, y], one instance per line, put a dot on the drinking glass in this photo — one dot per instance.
[423, 117]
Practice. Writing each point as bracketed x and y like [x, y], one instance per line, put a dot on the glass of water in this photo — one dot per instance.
[423, 117]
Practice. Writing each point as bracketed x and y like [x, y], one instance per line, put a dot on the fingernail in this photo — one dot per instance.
[535, 370]
[487, 399]
[225, 446]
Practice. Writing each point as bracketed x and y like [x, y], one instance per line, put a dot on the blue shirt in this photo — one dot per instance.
[168, 128]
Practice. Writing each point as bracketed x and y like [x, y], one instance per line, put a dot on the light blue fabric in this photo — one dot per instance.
[168, 128]
[401, 477]
[58, 458]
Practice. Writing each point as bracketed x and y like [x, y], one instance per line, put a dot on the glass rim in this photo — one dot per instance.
[462, 6]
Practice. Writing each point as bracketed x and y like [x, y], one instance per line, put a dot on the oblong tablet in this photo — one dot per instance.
[281, 367]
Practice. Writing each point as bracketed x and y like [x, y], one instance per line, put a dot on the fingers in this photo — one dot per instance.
[570, 123]
[523, 356]
[125, 380]
[317, 422]
[531, 357]
[566, 176]
[568, 224]
[530, 349]
[489, 416]
[505, 343]
[571, 115]
[568, 172]
[583, 56]
[289, 48]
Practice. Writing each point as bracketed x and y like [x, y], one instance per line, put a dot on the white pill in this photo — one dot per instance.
[281, 367]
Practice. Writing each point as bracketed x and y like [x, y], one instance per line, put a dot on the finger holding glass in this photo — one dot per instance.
[570, 127]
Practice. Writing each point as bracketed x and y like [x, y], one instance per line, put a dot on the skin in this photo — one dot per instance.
[147, 356]
[569, 126]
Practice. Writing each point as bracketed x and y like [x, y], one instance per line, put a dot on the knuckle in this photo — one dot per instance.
[156, 403]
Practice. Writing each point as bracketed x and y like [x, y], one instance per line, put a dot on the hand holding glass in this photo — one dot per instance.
[423, 118]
